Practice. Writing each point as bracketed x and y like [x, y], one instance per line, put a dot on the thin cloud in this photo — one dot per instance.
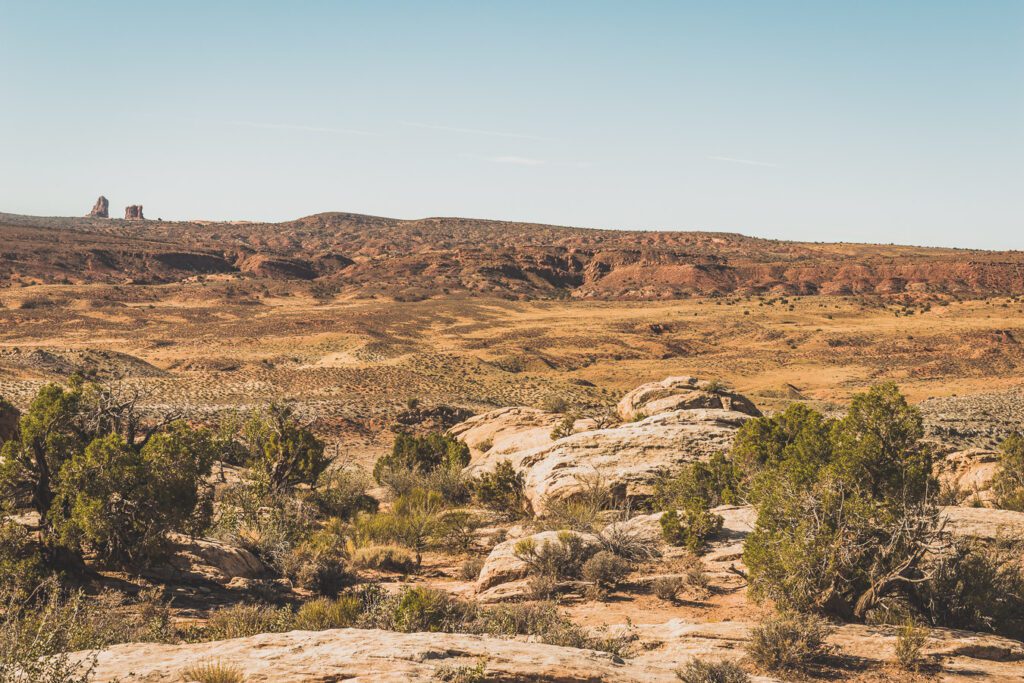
[748, 162]
[472, 131]
[308, 129]
[517, 161]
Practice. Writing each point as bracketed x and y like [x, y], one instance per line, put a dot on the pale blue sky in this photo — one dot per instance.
[828, 120]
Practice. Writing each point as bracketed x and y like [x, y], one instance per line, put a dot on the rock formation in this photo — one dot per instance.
[968, 474]
[134, 213]
[681, 393]
[100, 209]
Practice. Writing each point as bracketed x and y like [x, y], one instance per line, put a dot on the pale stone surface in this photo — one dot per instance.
[680, 393]
[970, 472]
[984, 523]
[203, 559]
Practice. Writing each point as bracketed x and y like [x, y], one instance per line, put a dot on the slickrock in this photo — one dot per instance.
[101, 209]
[355, 656]
[681, 393]
[984, 524]
[969, 473]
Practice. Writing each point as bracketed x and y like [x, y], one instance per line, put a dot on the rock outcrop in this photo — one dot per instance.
[133, 213]
[502, 567]
[101, 209]
[681, 393]
[968, 474]
[508, 434]
[202, 560]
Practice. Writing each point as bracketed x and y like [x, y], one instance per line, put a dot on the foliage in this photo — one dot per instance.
[341, 492]
[627, 544]
[1008, 484]
[21, 565]
[560, 559]
[422, 454]
[121, 502]
[845, 517]
[324, 613]
[502, 490]
[563, 428]
[698, 671]
[605, 570]
[910, 641]
[788, 642]
[391, 558]
[319, 562]
[427, 609]
[667, 588]
[284, 452]
[581, 511]
[415, 520]
[213, 672]
[471, 568]
[244, 620]
[463, 674]
[707, 484]
[690, 527]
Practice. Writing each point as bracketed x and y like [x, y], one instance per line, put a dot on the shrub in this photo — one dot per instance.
[341, 493]
[1008, 484]
[563, 428]
[244, 620]
[697, 671]
[323, 613]
[627, 544]
[391, 558]
[463, 674]
[415, 520]
[667, 588]
[704, 484]
[21, 565]
[213, 672]
[502, 490]
[582, 511]
[605, 570]
[284, 452]
[319, 562]
[910, 641]
[691, 527]
[845, 517]
[471, 568]
[560, 559]
[422, 454]
[427, 609]
[788, 642]
[121, 502]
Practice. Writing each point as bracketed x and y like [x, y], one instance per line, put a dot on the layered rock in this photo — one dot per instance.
[968, 474]
[101, 209]
[681, 393]
[508, 434]
[133, 213]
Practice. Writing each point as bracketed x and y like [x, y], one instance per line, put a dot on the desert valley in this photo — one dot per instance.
[350, 448]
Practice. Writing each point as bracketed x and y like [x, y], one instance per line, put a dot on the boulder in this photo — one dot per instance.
[133, 213]
[101, 209]
[506, 434]
[984, 524]
[681, 393]
[203, 560]
[969, 473]
[628, 458]
[502, 566]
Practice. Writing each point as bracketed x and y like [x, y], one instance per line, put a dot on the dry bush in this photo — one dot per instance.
[605, 570]
[388, 557]
[789, 641]
[323, 613]
[242, 621]
[667, 588]
[697, 671]
[213, 672]
[910, 641]
[470, 570]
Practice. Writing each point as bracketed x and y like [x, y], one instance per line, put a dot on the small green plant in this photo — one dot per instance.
[563, 428]
[788, 641]
[323, 613]
[463, 674]
[1008, 484]
[213, 672]
[691, 527]
[910, 641]
[502, 490]
[698, 671]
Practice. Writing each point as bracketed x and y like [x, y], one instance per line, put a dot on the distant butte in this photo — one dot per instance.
[134, 213]
[100, 209]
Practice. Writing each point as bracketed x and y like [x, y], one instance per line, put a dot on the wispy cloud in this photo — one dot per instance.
[517, 161]
[308, 129]
[473, 131]
[748, 162]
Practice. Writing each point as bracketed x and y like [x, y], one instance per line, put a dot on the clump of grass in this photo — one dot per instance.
[789, 641]
[910, 641]
[697, 671]
[213, 672]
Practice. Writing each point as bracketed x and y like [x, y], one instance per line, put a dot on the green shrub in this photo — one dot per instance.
[415, 520]
[581, 511]
[390, 558]
[463, 674]
[21, 564]
[697, 671]
[1008, 484]
[427, 609]
[319, 562]
[121, 502]
[560, 559]
[244, 620]
[705, 484]
[563, 428]
[910, 641]
[788, 642]
[605, 571]
[341, 493]
[324, 613]
[283, 452]
[422, 454]
[691, 527]
[502, 490]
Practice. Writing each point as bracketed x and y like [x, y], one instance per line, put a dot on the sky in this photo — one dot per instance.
[846, 120]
